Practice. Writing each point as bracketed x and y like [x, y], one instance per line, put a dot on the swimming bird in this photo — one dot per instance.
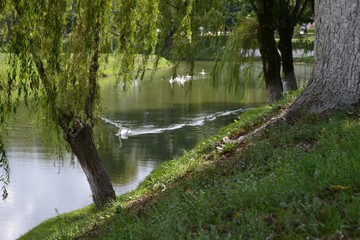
[202, 73]
[123, 132]
[177, 79]
[171, 81]
[182, 80]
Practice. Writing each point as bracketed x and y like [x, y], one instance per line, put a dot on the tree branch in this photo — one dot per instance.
[253, 5]
[298, 11]
[313, 5]
[170, 4]
[50, 90]
[303, 7]
[93, 69]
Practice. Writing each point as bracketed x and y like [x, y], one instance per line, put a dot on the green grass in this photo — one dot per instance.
[295, 182]
[109, 64]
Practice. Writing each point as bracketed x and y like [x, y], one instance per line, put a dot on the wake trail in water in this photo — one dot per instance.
[199, 120]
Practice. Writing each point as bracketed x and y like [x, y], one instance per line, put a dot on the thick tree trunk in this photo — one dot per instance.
[285, 47]
[335, 80]
[83, 146]
[269, 52]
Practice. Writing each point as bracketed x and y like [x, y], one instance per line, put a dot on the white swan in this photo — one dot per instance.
[202, 73]
[171, 81]
[123, 132]
[182, 81]
[177, 79]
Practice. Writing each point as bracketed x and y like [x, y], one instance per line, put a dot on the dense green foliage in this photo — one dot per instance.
[44, 76]
[295, 182]
[54, 53]
[55, 49]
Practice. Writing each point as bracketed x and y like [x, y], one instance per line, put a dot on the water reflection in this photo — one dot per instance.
[38, 188]
[198, 120]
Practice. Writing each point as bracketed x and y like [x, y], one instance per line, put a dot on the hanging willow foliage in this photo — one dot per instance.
[180, 22]
[233, 68]
[134, 29]
[53, 59]
[57, 46]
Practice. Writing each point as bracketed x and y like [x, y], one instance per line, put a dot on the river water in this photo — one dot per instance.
[163, 121]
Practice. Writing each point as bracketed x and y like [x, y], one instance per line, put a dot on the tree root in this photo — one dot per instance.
[256, 133]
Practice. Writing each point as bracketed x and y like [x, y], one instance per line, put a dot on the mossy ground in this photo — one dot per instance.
[296, 181]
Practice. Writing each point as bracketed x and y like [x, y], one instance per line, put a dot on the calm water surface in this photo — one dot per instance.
[164, 121]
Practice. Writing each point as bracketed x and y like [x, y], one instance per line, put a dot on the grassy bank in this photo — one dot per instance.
[295, 182]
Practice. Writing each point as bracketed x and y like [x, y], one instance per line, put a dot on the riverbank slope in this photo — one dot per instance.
[295, 182]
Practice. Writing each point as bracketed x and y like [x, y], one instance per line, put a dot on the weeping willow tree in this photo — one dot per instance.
[54, 61]
[56, 74]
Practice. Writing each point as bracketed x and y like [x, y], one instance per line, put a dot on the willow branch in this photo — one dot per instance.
[303, 8]
[170, 4]
[92, 80]
[298, 11]
[253, 5]
[49, 89]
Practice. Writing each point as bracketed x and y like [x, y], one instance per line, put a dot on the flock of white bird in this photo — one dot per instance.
[123, 132]
[181, 80]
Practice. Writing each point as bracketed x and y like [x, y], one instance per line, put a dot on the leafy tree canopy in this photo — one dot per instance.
[54, 68]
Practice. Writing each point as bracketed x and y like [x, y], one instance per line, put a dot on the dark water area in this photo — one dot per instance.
[154, 122]
[158, 135]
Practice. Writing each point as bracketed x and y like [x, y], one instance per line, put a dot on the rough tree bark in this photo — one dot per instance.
[287, 61]
[269, 53]
[285, 26]
[286, 22]
[82, 144]
[283, 15]
[335, 80]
